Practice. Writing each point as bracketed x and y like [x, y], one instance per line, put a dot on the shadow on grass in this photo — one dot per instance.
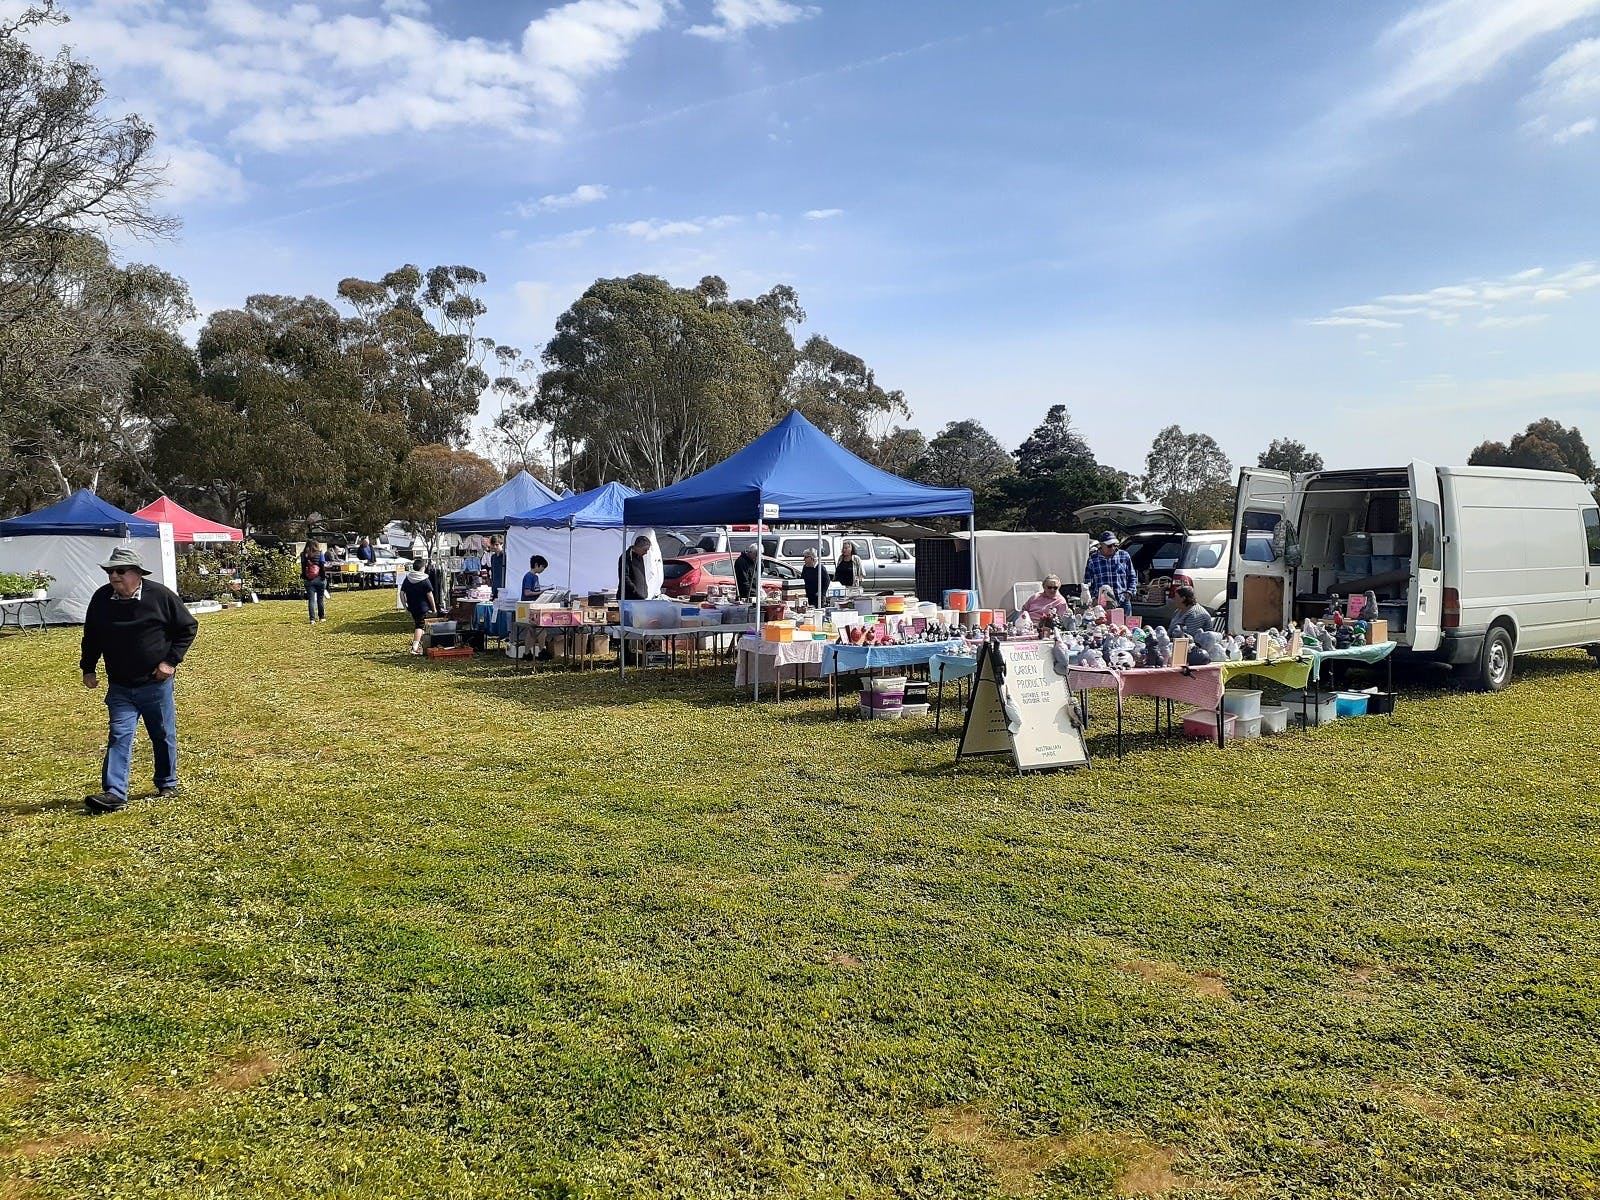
[28, 808]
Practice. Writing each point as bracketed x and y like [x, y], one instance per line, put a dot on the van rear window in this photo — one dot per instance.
[1425, 527]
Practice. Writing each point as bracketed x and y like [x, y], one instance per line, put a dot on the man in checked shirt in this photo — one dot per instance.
[1109, 566]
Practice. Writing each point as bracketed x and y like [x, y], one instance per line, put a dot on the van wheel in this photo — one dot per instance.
[1494, 662]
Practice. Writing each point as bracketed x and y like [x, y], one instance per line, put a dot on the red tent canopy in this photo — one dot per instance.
[188, 527]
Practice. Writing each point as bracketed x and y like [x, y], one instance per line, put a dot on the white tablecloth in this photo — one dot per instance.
[771, 657]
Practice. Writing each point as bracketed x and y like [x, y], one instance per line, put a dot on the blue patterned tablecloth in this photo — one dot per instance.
[837, 658]
[952, 666]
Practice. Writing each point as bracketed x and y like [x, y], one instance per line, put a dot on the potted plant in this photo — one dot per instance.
[41, 581]
[14, 587]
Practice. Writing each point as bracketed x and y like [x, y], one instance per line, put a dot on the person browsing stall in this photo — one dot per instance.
[1191, 619]
[367, 556]
[417, 592]
[633, 570]
[745, 570]
[1109, 566]
[816, 580]
[143, 631]
[849, 571]
[531, 587]
[1047, 604]
[314, 570]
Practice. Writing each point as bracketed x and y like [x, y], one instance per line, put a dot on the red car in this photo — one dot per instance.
[691, 576]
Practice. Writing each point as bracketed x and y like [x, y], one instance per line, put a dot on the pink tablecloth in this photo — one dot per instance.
[1201, 686]
[774, 656]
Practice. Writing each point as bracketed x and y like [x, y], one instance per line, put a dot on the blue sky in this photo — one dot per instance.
[1368, 225]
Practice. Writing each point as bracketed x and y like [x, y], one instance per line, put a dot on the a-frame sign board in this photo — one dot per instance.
[1048, 736]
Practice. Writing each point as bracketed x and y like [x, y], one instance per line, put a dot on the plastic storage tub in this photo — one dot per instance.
[1314, 714]
[1246, 727]
[1351, 704]
[1382, 564]
[1358, 564]
[1202, 723]
[1358, 544]
[650, 614]
[1390, 543]
[1274, 718]
[1242, 703]
[1380, 704]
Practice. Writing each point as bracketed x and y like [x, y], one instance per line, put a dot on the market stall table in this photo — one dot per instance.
[838, 658]
[954, 667]
[10, 608]
[757, 654]
[1379, 652]
[692, 633]
[1200, 686]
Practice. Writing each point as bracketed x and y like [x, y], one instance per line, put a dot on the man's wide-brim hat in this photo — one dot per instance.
[125, 556]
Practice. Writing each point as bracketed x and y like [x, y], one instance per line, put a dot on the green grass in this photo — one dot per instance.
[456, 930]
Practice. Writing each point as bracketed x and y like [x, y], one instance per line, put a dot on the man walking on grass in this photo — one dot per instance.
[143, 631]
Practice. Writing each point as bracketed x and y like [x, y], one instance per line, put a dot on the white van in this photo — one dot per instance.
[1470, 565]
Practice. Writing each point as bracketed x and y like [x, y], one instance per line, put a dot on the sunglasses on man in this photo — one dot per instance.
[122, 570]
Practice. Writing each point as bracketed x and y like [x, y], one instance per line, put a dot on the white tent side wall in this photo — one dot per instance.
[75, 563]
[594, 555]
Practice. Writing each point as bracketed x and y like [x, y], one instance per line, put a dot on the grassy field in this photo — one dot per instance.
[454, 930]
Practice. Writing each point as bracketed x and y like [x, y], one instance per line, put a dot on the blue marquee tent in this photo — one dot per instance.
[599, 508]
[808, 475]
[68, 540]
[82, 514]
[490, 514]
[586, 553]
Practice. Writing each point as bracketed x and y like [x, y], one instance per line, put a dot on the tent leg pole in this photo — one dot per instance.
[622, 611]
[755, 677]
[972, 558]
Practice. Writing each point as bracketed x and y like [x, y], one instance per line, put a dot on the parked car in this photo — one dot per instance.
[1469, 565]
[1165, 554]
[692, 576]
[887, 565]
[398, 535]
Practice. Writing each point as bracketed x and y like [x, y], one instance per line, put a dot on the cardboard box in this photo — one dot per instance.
[594, 614]
[1377, 631]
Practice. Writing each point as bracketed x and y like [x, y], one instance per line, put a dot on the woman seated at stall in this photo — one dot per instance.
[1048, 604]
[1190, 620]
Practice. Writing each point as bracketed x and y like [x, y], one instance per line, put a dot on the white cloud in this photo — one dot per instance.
[1446, 305]
[730, 18]
[1356, 322]
[1513, 322]
[563, 241]
[653, 229]
[1566, 102]
[194, 173]
[824, 214]
[281, 77]
[1449, 44]
[584, 193]
[1576, 130]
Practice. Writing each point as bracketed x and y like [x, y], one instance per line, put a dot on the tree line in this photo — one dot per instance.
[289, 413]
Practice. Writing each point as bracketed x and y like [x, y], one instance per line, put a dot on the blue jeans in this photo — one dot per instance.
[317, 598]
[154, 702]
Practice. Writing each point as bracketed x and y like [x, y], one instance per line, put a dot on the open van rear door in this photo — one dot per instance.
[1425, 603]
[1258, 579]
